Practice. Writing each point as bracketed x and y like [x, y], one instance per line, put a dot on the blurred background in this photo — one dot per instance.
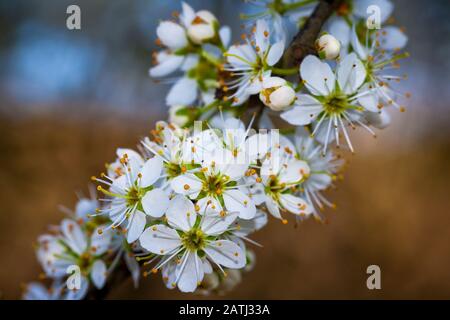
[68, 99]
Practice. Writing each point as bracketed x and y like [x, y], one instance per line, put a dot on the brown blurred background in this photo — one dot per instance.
[69, 99]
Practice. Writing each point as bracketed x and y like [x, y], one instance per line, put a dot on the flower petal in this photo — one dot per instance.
[181, 213]
[190, 272]
[155, 203]
[98, 274]
[318, 76]
[237, 201]
[226, 253]
[351, 74]
[74, 236]
[136, 226]
[225, 35]
[368, 100]
[78, 294]
[356, 45]
[133, 266]
[339, 28]
[215, 224]
[100, 243]
[295, 204]
[379, 120]
[151, 171]
[160, 239]
[169, 65]
[261, 40]
[300, 116]
[187, 184]
[275, 53]
[273, 208]
[294, 171]
[172, 35]
[392, 38]
[85, 207]
[187, 14]
[361, 8]
[183, 92]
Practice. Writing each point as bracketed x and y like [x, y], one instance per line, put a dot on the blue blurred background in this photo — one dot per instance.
[69, 98]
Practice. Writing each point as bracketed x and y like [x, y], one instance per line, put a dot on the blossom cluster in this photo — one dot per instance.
[187, 200]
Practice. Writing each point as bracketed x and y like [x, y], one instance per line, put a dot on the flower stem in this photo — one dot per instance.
[285, 72]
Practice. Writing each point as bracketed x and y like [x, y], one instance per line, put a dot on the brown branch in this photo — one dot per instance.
[303, 43]
[301, 46]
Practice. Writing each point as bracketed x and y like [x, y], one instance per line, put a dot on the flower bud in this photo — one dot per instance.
[277, 94]
[328, 47]
[175, 118]
[203, 27]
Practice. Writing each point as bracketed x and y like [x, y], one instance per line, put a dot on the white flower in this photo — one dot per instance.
[245, 148]
[184, 52]
[84, 208]
[339, 27]
[276, 93]
[57, 291]
[37, 291]
[378, 61]
[74, 246]
[336, 100]
[190, 242]
[251, 62]
[133, 195]
[281, 176]
[217, 182]
[173, 37]
[275, 12]
[323, 169]
[217, 166]
[328, 47]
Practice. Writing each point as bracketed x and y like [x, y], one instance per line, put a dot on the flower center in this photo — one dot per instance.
[194, 239]
[134, 196]
[335, 104]
[84, 261]
[173, 170]
[274, 187]
[214, 185]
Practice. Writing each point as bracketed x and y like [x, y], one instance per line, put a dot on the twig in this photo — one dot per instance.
[303, 43]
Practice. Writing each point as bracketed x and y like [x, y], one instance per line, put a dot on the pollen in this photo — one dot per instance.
[154, 228]
[186, 187]
[284, 221]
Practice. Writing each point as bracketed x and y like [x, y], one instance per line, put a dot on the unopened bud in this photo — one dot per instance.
[203, 27]
[328, 47]
[277, 94]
